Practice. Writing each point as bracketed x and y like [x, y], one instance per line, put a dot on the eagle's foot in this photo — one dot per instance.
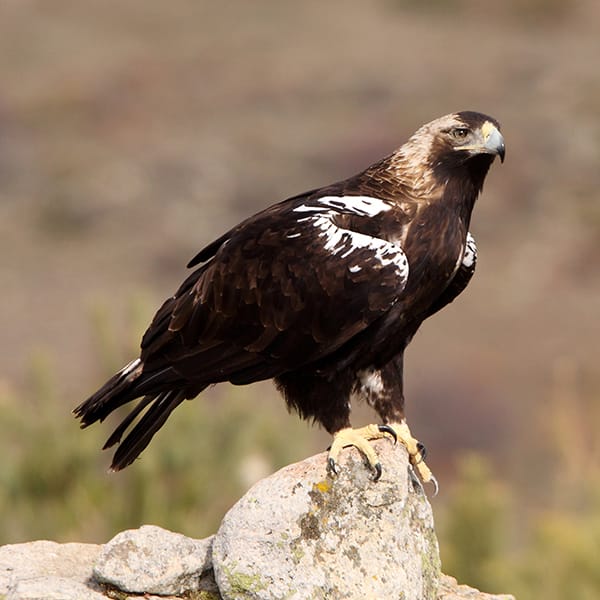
[416, 451]
[359, 438]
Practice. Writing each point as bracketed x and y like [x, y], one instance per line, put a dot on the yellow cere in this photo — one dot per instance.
[486, 129]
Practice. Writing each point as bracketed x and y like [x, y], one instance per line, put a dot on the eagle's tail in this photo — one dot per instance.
[161, 406]
[129, 383]
[118, 390]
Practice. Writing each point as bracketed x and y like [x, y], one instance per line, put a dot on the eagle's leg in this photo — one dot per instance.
[383, 390]
[416, 453]
[359, 438]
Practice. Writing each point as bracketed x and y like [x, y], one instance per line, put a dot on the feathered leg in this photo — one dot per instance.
[383, 390]
[327, 400]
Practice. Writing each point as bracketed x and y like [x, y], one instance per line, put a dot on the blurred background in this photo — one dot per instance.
[134, 132]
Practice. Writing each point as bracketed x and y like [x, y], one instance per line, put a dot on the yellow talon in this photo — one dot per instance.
[359, 438]
[415, 453]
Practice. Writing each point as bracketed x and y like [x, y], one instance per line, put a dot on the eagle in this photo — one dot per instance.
[322, 293]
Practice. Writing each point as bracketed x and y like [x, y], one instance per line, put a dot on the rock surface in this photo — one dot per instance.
[153, 560]
[48, 570]
[304, 534]
[449, 589]
[53, 588]
[297, 534]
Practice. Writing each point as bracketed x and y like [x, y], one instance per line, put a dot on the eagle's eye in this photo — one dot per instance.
[460, 133]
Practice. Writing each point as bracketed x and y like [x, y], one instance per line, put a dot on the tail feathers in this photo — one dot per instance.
[139, 437]
[162, 391]
[118, 390]
[117, 434]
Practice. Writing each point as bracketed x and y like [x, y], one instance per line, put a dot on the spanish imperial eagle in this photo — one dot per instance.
[322, 293]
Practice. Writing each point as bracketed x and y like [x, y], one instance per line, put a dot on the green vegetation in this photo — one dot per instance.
[474, 523]
[557, 556]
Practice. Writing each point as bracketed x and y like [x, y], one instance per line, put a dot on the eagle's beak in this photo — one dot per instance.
[489, 141]
[493, 142]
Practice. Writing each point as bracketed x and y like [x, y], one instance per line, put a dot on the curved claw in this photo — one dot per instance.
[414, 479]
[377, 469]
[436, 486]
[332, 466]
[390, 430]
[422, 451]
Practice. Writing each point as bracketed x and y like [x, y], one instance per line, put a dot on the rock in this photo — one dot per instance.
[154, 561]
[22, 565]
[298, 534]
[53, 588]
[450, 590]
[301, 533]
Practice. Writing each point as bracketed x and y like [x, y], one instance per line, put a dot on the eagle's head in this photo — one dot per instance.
[464, 135]
[455, 145]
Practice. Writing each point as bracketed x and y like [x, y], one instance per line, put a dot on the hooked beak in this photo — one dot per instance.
[493, 142]
[489, 141]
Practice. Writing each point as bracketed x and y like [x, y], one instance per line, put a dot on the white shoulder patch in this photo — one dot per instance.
[470, 255]
[345, 243]
[363, 206]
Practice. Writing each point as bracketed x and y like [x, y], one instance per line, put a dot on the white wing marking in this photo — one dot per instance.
[470, 256]
[344, 242]
[364, 206]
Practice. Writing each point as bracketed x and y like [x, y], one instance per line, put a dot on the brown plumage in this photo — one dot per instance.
[322, 292]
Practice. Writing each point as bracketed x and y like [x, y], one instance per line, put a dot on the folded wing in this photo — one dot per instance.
[284, 289]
